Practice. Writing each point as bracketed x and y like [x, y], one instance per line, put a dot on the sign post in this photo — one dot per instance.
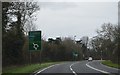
[75, 55]
[35, 42]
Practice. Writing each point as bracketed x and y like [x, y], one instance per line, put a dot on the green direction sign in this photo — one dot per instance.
[75, 54]
[34, 40]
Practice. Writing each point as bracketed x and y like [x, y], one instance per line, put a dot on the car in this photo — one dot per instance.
[90, 59]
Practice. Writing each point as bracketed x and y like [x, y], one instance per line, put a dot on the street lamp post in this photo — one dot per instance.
[100, 51]
[74, 38]
[101, 54]
[73, 49]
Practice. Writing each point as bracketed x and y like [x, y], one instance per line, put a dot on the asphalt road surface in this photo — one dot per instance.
[79, 68]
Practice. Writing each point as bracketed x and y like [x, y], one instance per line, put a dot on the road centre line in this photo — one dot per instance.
[96, 69]
[72, 69]
[45, 69]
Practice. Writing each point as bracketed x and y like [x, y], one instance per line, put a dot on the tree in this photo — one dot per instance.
[26, 11]
[13, 21]
[61, 49]
[84, 43]
[116, 51]
[107, 41]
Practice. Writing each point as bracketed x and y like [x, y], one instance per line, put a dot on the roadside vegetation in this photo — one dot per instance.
[111, 64]
[26, 69]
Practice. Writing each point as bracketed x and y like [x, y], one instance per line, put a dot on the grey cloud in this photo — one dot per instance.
[57, 5]
[80, 19]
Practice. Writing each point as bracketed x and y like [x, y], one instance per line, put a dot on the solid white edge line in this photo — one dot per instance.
[72, 69]
[96, 69]
[45, 69]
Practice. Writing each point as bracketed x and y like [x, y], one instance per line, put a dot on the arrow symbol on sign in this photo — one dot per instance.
[35, 46]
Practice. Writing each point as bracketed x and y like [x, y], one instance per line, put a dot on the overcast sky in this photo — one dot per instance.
[67, 19]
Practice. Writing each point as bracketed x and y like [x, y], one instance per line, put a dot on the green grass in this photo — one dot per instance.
[27, 68]
[110, 64]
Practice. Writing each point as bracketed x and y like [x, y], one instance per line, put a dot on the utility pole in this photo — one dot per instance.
[101, 54]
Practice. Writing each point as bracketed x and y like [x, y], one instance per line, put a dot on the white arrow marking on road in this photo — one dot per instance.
[96, 69]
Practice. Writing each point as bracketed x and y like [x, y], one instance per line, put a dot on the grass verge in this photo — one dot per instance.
[111, 64]
[26, 69]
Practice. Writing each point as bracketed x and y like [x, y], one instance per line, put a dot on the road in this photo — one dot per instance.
[79, 68]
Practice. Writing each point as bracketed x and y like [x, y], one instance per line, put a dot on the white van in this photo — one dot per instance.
[90, 59]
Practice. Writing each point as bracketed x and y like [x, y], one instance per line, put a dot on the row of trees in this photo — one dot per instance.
[106, 44]
[59, 49]
[16, 21]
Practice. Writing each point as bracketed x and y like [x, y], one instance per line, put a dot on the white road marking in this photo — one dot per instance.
[72, 69]
[45, 69]
[96, 69]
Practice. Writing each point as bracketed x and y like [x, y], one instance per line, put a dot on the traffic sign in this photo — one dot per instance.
[75, 54]
[34, 40]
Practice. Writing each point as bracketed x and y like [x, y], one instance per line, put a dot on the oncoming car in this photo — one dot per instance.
[90, 59]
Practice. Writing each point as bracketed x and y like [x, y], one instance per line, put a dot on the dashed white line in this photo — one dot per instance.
[45, 69]
[96, 69]
[72, 69]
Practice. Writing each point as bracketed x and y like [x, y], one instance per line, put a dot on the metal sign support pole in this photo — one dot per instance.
[41, 54]
[40, 58]
[30, 57]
